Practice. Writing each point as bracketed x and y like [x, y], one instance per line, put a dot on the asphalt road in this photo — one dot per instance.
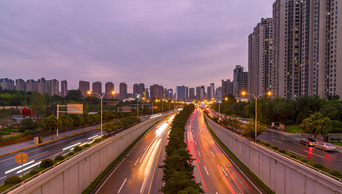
[9, 167]
[138, 172]
[213, 169]
[332, 160]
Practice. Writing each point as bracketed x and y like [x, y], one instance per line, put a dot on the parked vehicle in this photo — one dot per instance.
[325, 146]
[307, 141]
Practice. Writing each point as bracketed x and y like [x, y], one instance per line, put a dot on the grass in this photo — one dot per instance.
[293, 129]
[336, 143]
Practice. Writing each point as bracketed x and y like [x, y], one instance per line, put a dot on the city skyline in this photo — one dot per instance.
[167, 42]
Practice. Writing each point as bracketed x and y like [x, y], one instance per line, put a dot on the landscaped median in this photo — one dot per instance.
[49, 164]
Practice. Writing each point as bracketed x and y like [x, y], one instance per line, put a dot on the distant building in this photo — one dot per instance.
[182, 93]
[147, 94]
[97, 88]
[211, 91]
[6, 83]
[156, 91]
[141, 90]
[168, 94]
[20, 84]
[31, 85]
[42, 86]
[200, 93]
[123, 90]
[218, 94]
[192, 94]
[84, 87]
[135, 90]
[109, 87]
[240, 81]
[64, 88]
[53, 87]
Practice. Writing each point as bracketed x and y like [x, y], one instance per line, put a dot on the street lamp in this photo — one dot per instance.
[256, 109]
[226, 98]
[113, 93]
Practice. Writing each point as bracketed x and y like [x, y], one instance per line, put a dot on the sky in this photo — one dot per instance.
[166, 42]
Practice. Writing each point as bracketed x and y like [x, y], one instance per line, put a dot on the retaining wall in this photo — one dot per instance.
[279, 173]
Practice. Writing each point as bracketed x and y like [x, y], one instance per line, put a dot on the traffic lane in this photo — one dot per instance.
[133, 174]
[332, 160]
[218, 173]
[8, 166]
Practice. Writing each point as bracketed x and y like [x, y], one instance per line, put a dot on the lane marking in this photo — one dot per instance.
[205, 142]
[143, 186]
[297, 153]
[136, 161]
[72, 146]
[7, 159]
[277, 141]
[206, 170]
[199, 153]
[36, 164]
[195, 142]
[39, 154]
[224, 171]
[314, 154]
[13, 169]
[122, 185]
[3, 177]
[212, 153]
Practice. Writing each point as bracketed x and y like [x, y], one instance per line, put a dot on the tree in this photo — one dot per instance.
[67, 122]
[74, 95]
[249, 129]
[50, 124]
[38, 104]
[316, 124]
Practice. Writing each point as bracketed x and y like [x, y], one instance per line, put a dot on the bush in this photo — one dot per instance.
[97, 140]
[28, 132]
[70, 153]
[274, 147]
[34, 171]
[293, 156]
[335, 173]
[12, 180]
[59, 158]
[304, 160]
[46, 163]
[318, 165]
[282, 151]
[77, 148]
[267, 144]
[86, 145]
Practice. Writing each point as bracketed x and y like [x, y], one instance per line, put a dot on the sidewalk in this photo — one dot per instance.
[27, 144]
[300, 136]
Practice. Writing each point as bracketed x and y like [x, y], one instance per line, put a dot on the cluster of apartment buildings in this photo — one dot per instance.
[298, 51]
[42, 86]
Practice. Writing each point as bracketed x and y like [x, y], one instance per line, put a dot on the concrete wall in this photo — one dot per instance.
[76, 174]
[279, 173]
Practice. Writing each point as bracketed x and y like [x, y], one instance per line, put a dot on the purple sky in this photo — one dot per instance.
[168, 42]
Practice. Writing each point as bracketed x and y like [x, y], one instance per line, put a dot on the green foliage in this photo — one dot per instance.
[77, 148]
[177, 168]
[51, 123]
[28, 123]
[12, 180]
[34, 171]
[70, 154]
[336, 173]
[282, 151]
[86, 145]
[293, 129]
[304, 160]
[318, 165]
[316, 124]
[46, 163]
[267, 144]
[28, 132]
[293, 156]
[249, 129]
[274, 147]
[59, 158]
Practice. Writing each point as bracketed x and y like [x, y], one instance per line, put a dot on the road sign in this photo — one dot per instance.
[75, 109]
[21, 158]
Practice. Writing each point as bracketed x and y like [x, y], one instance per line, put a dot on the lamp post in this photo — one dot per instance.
[226, 98]
[113, 93]
[256, 110]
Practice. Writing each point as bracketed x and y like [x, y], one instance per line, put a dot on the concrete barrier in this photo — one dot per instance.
[76, 174]
[279, 173]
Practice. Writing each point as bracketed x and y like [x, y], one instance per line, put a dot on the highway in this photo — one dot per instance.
[139, 171]
[213, 169]
[9, 167]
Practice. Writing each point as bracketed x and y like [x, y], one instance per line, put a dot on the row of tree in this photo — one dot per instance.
[286, 111]
[178, 170]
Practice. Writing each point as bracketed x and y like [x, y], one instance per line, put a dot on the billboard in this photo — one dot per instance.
[75, 109]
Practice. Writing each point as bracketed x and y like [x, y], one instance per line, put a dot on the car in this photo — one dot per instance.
[325, 146]
[307, 141]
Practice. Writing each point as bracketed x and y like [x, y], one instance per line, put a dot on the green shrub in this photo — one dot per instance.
[34, 171]
[335, 173]
[46, 163]
[97, 140]
[12, 180]
[274, 147]
[282, 151]
[304, 160]
[70, 153]
[86, 145]
[267, 144]
[293, 156]
[332, 139]
[59, 158]
[318, 165]
[28, 132]
[77, 148]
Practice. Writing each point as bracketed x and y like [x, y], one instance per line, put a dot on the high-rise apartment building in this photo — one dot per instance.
[182, 93]
[168, 93]
[141, 90]
[84, 87]
[147, 94]
[200, 93]
[123, 90]
[211, 91]
[192, 94]
[109, 88]
[6, 83]
[53, 87]
[64, 88]
[156, 91]
[136, 90]
[226, 88]
[260, 58]
[31, 85]
[240, 81]
[42, 86]
[97, 87]
[20, 84]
